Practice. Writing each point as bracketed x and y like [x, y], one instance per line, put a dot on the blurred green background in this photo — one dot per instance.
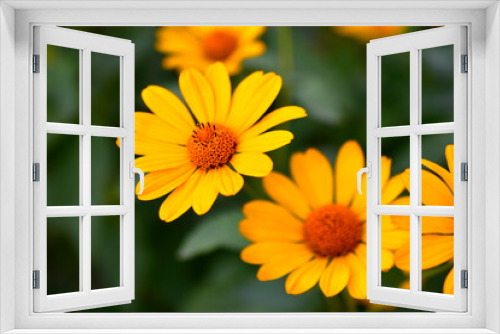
[193, 264]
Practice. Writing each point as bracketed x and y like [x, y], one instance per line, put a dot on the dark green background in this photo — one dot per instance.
[193, 264]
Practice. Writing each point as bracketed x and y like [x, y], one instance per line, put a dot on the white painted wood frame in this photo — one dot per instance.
[413, 44]
[85, 43]
[481, 17]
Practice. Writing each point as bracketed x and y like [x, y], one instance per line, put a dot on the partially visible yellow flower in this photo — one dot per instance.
[197, 160]
[437, 232]
[314, 231]
[365, 34]
[198, 47]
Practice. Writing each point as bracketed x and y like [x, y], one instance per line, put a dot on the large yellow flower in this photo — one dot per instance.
[365, 34]
[437, 232]
[315, 231]
[198, 160]
[198, 47]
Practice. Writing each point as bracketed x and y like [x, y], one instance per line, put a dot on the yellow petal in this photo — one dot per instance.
[441, 172]
[434, 190]
[145, 145]
[402, 257]
[285, 192]
[251, 99]
[273, 119]
[306, 276]
[229, 182]
[357, 278]
[450, 156]
[269, 230]
[252, 164]
[314, 176]
[241, 97]
[153, 127]
[218, 78]
[394, 239]
[251, 32]
[387, 260]
[392, 189]
[264, 252]
[159, 161]
[266, 210]
[449, 285]
[181, 199]
[168, 108]
[198, 95]
[350, 160]
[206, 192]
[436, 249]
[335, 277]
[280, 266]
[385, 170]
[268, 141]
[442, 225]
[159, 183]
[401, 222]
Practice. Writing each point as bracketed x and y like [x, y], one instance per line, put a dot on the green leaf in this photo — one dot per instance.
[217, 231]
[232, 286]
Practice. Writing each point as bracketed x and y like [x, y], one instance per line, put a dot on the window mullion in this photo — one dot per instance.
[414, 172]
[85, 165]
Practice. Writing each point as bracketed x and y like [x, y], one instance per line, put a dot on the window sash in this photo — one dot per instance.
[413, 43]
[86, 297]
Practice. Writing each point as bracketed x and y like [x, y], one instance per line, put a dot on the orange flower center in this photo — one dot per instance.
[219, 45]
[332, 230]
[211, 146]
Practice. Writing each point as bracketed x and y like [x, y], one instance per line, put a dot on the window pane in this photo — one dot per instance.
[437, 254]
[395, 160]
[437, 84]
[105, 259]
[63, 235]
[395, 94]
[437, 170]
[395, 244]
[105, 89]
[63, 170]
[63, 85]
[105, 163]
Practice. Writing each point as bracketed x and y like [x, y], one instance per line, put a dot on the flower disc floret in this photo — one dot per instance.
[332, 230]
[211, 146]
[219, 45]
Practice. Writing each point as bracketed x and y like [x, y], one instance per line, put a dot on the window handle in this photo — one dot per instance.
[134, 170]
[368, 171]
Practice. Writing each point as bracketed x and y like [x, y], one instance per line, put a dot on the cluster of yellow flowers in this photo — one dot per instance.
[313, 228]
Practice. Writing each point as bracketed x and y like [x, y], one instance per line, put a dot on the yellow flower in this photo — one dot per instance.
[316, 232]
[437, 232]
[198, 47]
[197, 161]
[365, 34]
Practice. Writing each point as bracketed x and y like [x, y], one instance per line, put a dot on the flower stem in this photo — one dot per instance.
[350, 303]
[285, 63]
[285, 69]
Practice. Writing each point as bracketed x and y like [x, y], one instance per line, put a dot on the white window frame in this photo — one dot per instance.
[413, 44]
[16, 21]
[85, 44]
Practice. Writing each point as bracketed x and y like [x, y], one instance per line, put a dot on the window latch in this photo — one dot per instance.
[134, 170]
[368, 171]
